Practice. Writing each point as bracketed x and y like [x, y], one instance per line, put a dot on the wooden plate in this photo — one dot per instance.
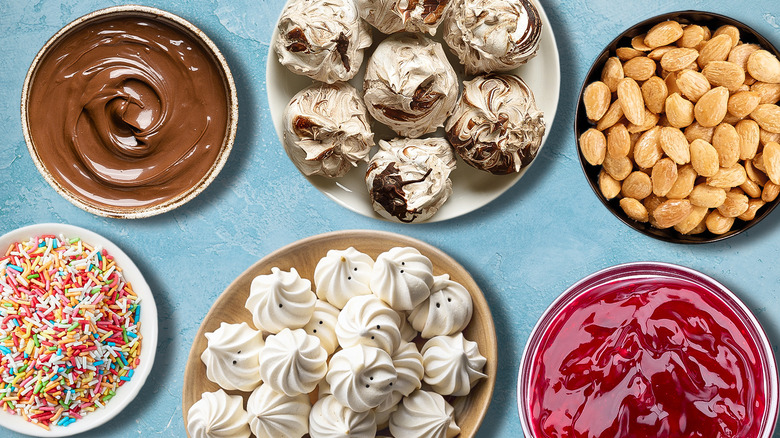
[303, 256]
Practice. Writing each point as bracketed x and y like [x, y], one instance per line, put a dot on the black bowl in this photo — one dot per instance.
[581, 123]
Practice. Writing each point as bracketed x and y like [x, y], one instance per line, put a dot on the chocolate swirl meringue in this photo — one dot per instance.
[326, 130]
[496, 125]
[322, 39]
[218, 415]
[361, 377]
[273, 414]
[232, 356]
[409, 85]
[390, 16]
[409, 179]
[493, 35]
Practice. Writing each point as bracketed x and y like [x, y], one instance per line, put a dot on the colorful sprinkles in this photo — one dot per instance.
[69, 329]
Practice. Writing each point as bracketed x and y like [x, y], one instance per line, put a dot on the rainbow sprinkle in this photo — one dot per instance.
[69, 329]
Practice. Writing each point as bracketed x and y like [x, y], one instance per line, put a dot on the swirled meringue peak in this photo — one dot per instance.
[323, 325]
[410, 85]
[446, 312]
[331, 419]
[293, 362]
[409, 179]
[322, 39]
[493, 35]
[408, 333]
[390, 16]
[402, 278]
[218, 415]
[367, 320]
[453, 364]
[496, 125]
[280, 300]
[273, 414]
[408, 363]
[343, 274]
[232, 356]
[361, 377]
[424, 414]
[326, 130]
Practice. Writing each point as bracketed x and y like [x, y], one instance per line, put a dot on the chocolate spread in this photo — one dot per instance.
[128, 112]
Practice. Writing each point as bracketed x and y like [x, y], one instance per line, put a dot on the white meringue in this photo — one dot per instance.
[408, 333]
[453, 364]
[367, 320]
[326, 130]
[322, 39]
[496, 126]
[218, 415]
[280, 300]
[361, 377]
[383, 412]
[343, 274]
[409, 179]
[402, 278]
[331, 419]
[410, 85]
[232, 356]
[493, 35]
[408, 363]
[447, 311]
[293, 362]
[424, 414]
[390, 16]
[323, 325]
[273, 414]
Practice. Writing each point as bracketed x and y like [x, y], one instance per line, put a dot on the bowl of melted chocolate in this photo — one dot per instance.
[129, 111]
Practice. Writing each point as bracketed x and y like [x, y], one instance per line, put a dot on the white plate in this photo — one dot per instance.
[129, 390]
[471, 188]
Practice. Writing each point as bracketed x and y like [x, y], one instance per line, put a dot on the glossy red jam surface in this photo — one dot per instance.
[652, 357]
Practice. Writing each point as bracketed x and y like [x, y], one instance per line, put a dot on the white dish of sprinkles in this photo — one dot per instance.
[78, 330]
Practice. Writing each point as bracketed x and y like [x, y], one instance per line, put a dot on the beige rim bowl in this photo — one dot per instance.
[230, 134]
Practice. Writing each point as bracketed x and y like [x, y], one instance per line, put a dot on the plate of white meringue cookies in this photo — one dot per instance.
[413, 111]
[351, 333]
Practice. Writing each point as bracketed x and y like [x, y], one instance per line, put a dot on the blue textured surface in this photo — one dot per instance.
[523, 249]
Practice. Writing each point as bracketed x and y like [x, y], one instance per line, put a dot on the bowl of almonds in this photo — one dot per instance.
[678, 127]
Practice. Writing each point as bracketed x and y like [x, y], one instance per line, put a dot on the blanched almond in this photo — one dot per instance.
[726, 141]
[735, 204]
[650, 121]
[663, 176]
[596, 98]
[659, 52]
[679, 111]
[704, 158]
[663, 33]
[634, 209]
[748, 131]
[695, 130]
[617, 167]
[675, 145]
[678, 59]
[718, 224]
[771, 190]
[743, 103]
[683, 185]
[654, 93]
[755, 175]
[618, 141]
[637, 185]
[740, 54]
[631, 100]
[670, 79]
[712, 106]
[772, 161]
[758, 162]
[638, 43]
[609, 186]
[753, 206]
[716, 49]
[640, 68]
[692, 36]
[593, 146]
[764, 67]
[751, 188]
[612, 116]
[626, 53]
[647, 149]
[729, 30]
[724, 73]
[694, 218]
[612, 73]
[765, 137]
[768, 117]
[770, 93]
[728, 177]
[704, 195]
[671, 212]
[692, 84]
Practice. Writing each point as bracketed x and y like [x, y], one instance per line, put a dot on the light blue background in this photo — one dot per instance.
[523, 249]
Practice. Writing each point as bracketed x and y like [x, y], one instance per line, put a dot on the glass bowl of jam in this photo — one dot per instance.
[648, 350]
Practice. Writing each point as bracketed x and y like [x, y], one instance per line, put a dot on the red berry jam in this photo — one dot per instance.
[648, 357]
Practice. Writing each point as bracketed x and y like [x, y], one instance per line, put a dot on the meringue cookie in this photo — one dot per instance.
[293, 362]
[409, 85]
[280, 300]
[361, 377]
[272, 414]
[331, 419]
[326, 130]
[367, 320]
[383, 412]
[408, 333]
[322, 39]
[232, 356]
[408, 363]
[409, 179]
[493, 35]
[343, 274]
[390, 16]
[453, 364]
[323, 325]
[218, 415]
[424, 414]
[446, 312]
[402, 278]
[496, 125]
